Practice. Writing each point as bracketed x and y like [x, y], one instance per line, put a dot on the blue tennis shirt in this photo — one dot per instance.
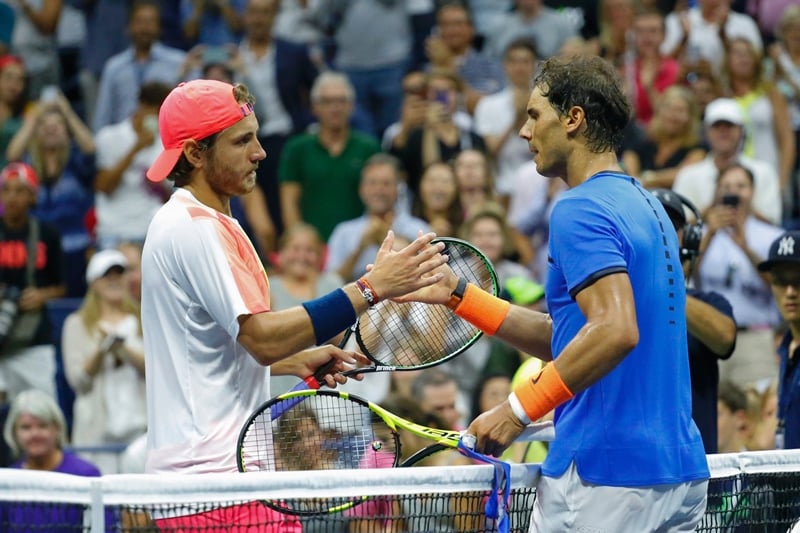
[633, 427]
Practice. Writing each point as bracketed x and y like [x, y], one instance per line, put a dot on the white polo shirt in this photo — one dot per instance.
[199, 274]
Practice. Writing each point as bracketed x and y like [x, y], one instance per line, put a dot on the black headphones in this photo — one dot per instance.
[692, 232]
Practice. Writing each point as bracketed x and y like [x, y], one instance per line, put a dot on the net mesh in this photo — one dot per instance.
[748, 492]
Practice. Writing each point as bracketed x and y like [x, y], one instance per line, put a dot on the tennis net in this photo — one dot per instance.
[757, 491]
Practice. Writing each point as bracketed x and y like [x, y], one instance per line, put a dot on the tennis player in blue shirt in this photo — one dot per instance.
[627, 456]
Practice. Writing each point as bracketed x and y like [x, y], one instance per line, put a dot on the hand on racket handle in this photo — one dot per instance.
[495, 430]
[329, 365]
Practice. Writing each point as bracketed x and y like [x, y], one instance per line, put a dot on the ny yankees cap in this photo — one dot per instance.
[785, 249]
[194, 110]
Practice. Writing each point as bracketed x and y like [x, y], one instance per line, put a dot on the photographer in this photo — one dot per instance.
[30, 275]
[735, 242]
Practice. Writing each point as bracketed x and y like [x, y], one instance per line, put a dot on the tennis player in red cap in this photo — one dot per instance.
[210, 337]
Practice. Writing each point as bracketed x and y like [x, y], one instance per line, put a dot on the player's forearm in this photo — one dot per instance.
[714, 329]
[274, 336]
[529, 331]
[596, 350]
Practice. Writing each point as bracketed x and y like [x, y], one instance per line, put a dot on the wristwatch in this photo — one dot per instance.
[458, 294]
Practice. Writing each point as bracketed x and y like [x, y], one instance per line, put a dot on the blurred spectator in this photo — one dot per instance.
[704, 84]
[145, 60]
[125, 201]
[724, 129]
[414, 113]
[280, 75]
[698, 34]
[297, 21]
[768, 126]
[36, 432]
[133, 256]
[299, 264]
[499, 116]
[450, 48]
[214, 23]
[487, 14]
[104, 360]
[440, 138]
[733, 425]
[6, 27]
[31, 269]
[762, 407]
[373, 47]
[534, 22]
[783, 268]
[784, 60]
[354, 243]
[768, 15]
[529, 216]
[671, 142]
[60, 148]
[437, 394]
[320, 172]
[70, 37]
[105, 37]
[438, 202]
[615, 23]
[474, 181]
[34, 39]
[488, 230]
[583, 14]
[648, 73]
[734, 243]
[12, 100]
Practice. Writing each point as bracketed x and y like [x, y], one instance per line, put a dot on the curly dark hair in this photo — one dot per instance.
[592, 84]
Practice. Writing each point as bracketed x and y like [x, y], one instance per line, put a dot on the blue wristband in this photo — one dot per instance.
[330, 314]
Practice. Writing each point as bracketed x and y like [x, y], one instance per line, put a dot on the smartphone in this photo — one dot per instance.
[731, 200]
[49, 93]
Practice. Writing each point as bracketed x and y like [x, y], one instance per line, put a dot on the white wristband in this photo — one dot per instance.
[517, 409]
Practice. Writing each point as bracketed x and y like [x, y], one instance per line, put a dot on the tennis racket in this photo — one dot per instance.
[327, 430]
[412, 336]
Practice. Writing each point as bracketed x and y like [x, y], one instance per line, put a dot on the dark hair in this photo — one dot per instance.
[182, 171]
[456, 4]
[136, 5]
[732, 396]
[432, 377]
[475, 404]
[521, 43]
[734, 166]
[153, 93]
[592, 84]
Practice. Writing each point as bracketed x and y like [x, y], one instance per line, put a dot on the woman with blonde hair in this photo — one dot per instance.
[672, 140]
[104, 360]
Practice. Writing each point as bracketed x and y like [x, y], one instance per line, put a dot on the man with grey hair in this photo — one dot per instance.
[355, 242]
[320, 172]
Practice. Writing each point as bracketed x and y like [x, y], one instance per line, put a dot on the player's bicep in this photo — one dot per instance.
[609, 302]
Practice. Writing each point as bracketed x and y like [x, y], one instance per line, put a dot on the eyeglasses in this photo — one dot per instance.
[333, 100]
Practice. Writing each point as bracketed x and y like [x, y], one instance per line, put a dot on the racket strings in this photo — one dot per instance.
[417, 335]
[319, 433]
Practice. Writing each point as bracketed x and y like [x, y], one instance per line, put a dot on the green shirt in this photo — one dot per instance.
[328, 184]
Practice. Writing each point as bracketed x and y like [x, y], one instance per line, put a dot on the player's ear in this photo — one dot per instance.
[193, 153]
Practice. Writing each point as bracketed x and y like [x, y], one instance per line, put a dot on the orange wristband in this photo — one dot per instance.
[483, 310]
[542, 392]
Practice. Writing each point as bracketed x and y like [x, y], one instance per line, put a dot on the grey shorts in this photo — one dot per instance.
[568, 503]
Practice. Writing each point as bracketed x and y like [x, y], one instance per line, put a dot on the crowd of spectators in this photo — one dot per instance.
[377, 114]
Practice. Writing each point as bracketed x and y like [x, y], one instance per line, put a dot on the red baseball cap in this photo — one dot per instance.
[21, 172]
[193, 110]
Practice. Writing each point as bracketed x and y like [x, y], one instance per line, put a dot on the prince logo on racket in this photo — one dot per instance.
[210, 337]
[627, 456]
